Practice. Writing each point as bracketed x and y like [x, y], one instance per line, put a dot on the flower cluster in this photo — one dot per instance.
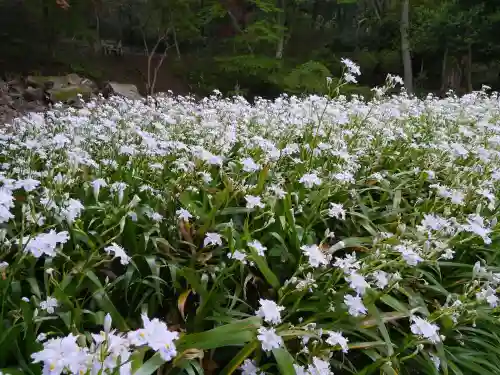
[108, 351]
[316, 233]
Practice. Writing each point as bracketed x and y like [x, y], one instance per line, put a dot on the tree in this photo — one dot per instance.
[405, 46]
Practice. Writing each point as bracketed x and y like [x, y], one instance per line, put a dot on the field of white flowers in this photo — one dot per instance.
[298, 236]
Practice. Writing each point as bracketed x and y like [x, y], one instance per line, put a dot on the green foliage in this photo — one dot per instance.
[307, 78]
[389, 60]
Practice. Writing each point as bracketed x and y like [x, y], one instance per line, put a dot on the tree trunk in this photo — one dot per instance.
[281, 22]
[444, 75]
[468, 69]
[174, 34]
[97, 43]
[47, 27]
[405, 46]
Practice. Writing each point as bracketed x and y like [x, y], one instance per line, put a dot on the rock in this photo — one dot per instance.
[125, 90]
[74, 79]
[15, 87]
[32, 107]
[4, 86]
[33, 93]
[39, 82]
[91, 84]
[53, 82]
[69, 94]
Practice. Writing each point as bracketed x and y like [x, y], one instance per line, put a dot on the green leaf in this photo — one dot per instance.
[284, 361]
[372, 309]
[150, 366]
[395, 304]
[136, 359]
[237, 360]
[12, 371]
[103, 300]
[261, 263]
[233, 334]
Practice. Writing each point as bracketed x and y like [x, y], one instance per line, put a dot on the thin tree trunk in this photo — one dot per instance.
[174, 34]
[405, 46]
[314, 13]
[281, 22]
[47, 27]
[177, 49]
[238, 28]
[468, 69]
[375, 8]
[444, 76]
[97, 28]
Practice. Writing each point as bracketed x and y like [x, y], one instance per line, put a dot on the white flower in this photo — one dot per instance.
[447, 254]
[156, 335]
[206, 177]
[107, 323]
[300, 370]
[309, 180]
[28, 184]
[422, 327]
[381, 279]
[62, 355]
[118, 252]
[269, 339]
[126, 150]
[6, 202]
[258, 247]
[49, 305]
[349, 78]
[344, 177]
[250, 368]
[119, 189]
[355, 305]
[352, 67]
[409, 255]
[183, 214]
[315, 255]
[475, 224]
[45, 243]
[436, 360]
[319, 367]
[155, 216]
[72, 210]
[249, 165]
[3, 265]
[357, 282]
[41, 337]
[237, 255]
[348, 264]
[97, 185]
[488, 294]
[212, 239]
[270, 311]
[253, 201]
[336, 338]
[337, 211]
[434, 222]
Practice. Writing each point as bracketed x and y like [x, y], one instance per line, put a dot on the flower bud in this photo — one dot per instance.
[107, 323]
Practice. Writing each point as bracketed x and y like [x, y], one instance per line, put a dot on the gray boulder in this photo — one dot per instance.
[125, 90]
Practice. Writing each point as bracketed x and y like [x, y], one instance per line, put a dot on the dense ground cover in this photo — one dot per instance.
[295, 236]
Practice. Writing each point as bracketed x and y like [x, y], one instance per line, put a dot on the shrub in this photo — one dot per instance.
[307, 78]
[299, 236]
